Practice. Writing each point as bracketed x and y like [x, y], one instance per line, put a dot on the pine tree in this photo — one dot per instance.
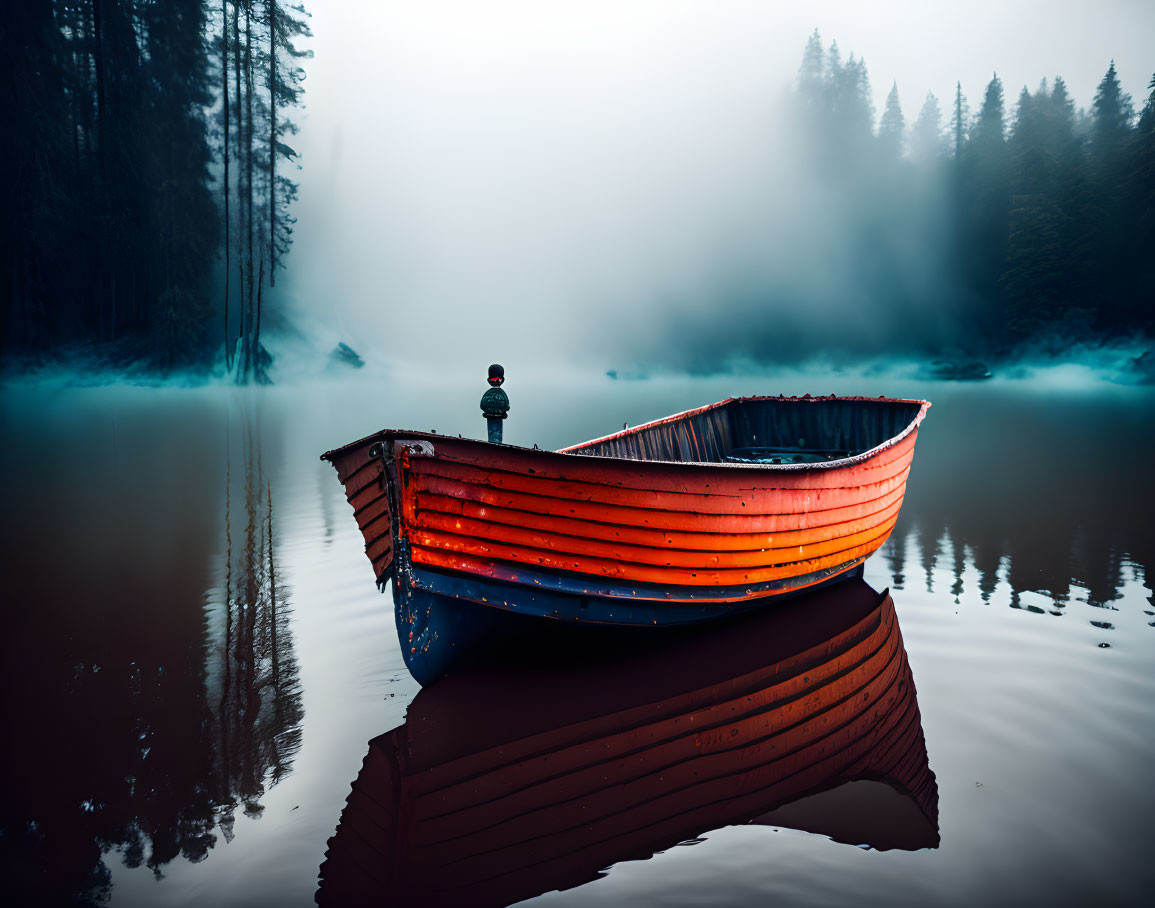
[1075, 195]
[990, 126]
[854, 108]
[833, 64]
[1142, 194]
[249, 296]
[266, 86]
[1115, 248]
[286, 25]
[180, 224]
[111, 226]
[1031, 165]
[926, 136]
[892, 127]
[1061, 117]
[812, 72]
[833, 81]
[225, 180]
[239, 147]
[984, 203]
[1031, 282]
[959, 118]
[1112, 117]
[36, 158]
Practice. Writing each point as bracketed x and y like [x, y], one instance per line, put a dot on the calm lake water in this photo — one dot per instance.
[195, 656]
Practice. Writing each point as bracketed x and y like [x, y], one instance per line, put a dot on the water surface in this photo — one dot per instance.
[195, 656]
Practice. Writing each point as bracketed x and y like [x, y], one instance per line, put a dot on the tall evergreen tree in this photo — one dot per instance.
[1142, 194]
[1028, 195]
[248, 300]
[990, 126]
[1074, 193]
[286, 26]
[812, 72]
[1112, 117]
[984, 204]
[1061, 117]
[41, 168]
[833, 64]
[226, 124]
[1114, 248]
[853, 107]
[833, 81]
[181, 219]
[926, 143]
[110, 226]
[960, 114]
[1032, 281]
[112, 216]
[266, 86]
[892, 127]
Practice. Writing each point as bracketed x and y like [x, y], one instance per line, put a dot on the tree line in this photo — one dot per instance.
[1043, 214]
[149, 192]
[148, 167]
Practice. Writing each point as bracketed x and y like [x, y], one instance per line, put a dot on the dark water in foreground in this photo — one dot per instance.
[195, 657]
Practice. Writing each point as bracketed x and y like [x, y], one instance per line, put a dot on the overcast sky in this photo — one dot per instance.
[492, 176]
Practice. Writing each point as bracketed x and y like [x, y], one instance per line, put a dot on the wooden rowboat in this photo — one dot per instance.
[692, 517]
[515, 777]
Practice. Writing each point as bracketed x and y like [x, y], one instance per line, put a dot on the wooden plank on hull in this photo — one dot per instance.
[480, 538]
[759, 513]
[473, 556]
[464, 518]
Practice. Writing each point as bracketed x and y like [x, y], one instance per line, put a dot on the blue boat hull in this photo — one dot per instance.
[442, 617]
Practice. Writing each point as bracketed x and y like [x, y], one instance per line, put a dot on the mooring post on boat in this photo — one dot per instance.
[495, 403]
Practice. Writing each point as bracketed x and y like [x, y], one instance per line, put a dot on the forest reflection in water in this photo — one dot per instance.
[1052, 498]
[194, 650]
[253, 677]
[153, 713]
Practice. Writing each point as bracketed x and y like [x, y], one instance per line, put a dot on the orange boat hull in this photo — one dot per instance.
[640, 533]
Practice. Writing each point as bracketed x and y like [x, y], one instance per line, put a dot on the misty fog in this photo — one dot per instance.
[206, 190]
[630, 187]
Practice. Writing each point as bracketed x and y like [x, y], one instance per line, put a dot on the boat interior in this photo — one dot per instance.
[757, 430]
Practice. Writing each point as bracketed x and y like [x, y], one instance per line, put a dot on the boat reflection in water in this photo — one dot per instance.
[536, 770]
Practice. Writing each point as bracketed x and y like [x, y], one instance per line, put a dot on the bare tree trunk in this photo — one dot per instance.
[225, 117]
[76, 24]
[248, 343]
[101, 150]
[240, 134]
[272, 7]
[98, 63]
[258, 366]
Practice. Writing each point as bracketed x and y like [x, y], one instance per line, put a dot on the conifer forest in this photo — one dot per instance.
[151, 180]
[152, 177]
[1044, 211]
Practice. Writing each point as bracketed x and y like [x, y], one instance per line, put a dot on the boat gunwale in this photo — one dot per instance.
[575, 450]
[849, 460]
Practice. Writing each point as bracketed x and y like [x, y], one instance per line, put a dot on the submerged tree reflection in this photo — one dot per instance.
[142, 710]
[1060, 563]
[1046, 499]
[254, 683]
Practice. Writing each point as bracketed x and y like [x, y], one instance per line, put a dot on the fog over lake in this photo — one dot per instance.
[617, 183]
